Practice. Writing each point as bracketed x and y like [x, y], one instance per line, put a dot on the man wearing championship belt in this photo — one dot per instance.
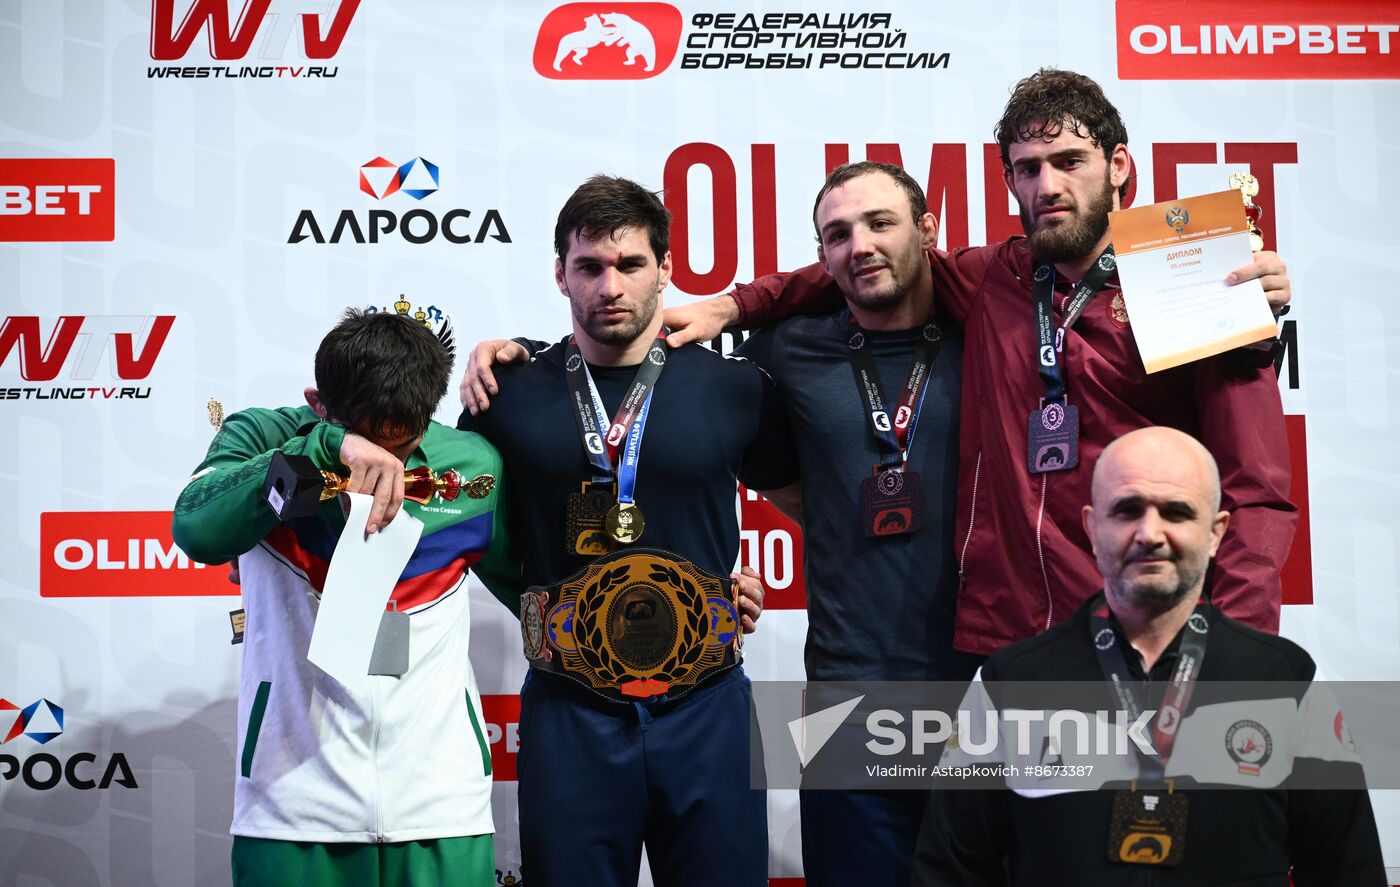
[623, 456]
[389, 782]
[1252, 782]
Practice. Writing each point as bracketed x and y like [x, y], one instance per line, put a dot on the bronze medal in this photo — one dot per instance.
[585, 520]
[891, 502]
[625, 522]
[1147, 827]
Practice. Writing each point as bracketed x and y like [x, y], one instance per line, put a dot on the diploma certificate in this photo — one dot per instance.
[1172, 261]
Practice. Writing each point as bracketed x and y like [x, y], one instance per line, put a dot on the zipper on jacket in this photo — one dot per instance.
[1040, 550]
[971, 521]
[374, 761]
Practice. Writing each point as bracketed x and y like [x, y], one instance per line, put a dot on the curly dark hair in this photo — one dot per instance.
[1049, 100]
[604, 205]
[385, 372]
[842, 174]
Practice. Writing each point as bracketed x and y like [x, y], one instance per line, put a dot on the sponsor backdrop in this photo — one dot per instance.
[192, 190]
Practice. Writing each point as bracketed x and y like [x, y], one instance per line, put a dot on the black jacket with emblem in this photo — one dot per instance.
[1234, 837]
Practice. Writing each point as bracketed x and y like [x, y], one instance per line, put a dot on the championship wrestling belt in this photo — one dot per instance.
[634, 624]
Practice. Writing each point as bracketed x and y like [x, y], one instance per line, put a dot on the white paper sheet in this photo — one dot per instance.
[361, 577]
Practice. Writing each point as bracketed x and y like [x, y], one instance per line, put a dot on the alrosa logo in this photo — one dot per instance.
[57, 199]
[381, 179]
[42, 721]
[79, 343]
[607, 41]
[232, 37]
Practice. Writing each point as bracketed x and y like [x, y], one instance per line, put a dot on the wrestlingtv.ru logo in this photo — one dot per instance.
[607, 41]
[78, 343]
[231, 37]
[42, 722]
[382, 180]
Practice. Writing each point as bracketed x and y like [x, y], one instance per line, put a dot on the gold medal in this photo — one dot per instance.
[625, 522]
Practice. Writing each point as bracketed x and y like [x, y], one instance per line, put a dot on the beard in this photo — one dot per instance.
[905, 263]
[882, 299]
[1158, 594]
[618, 332]
[1073, 238]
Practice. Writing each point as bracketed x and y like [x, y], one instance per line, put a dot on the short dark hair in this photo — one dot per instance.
[604, 205]
[918, 204]
[384, 372]
[1043, 104]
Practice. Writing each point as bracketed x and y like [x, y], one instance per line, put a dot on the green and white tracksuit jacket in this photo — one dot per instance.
[408, 759]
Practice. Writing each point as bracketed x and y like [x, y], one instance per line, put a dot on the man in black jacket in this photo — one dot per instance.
[1154, 523]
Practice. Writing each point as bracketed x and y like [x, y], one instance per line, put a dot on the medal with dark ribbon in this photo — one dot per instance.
[1148, 823]
[1052, 438]
[604, 512]
[892, 499]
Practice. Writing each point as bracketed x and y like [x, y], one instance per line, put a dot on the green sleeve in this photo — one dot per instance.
[221, 514]
[499, 567]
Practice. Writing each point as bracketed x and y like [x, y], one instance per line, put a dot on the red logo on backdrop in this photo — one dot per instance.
[1258, 40]
[502, 732]
[119, 554]
[57, 199]
[772, 545]
[233, 38]
[608, 41]
[79, 342]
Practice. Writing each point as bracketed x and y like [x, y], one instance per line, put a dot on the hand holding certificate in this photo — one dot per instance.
[1172, 261]
[358, 585]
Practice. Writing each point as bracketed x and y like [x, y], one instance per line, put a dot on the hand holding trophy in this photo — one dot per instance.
[295, 487]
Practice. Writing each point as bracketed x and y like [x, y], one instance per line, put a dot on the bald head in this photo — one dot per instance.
[1173, 451]
[1155, 520]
